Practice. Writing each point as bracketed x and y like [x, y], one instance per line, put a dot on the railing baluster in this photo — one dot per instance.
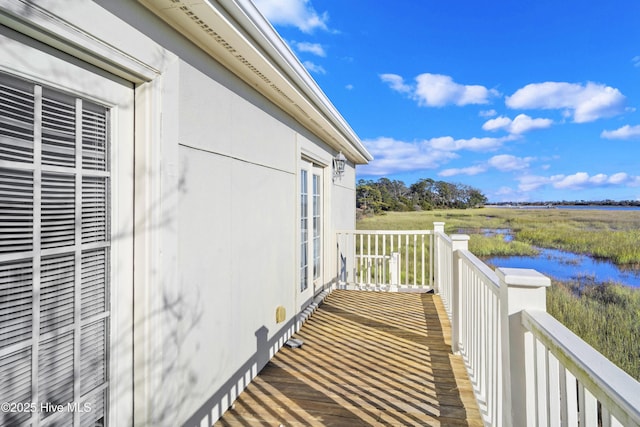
[422, 251]
[497, 364]
[368, 259]
[361, 251]
[406, 260]
[415, 259]
[377, 278]
[431, 264]
[482, 336]
[606, 417]
[384, 258]
[590, 409]
[554, 396]
[614, 422]
[541, 383]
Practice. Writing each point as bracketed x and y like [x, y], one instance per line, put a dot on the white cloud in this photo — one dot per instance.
[577, 181]
[501, 122]
[585, 103]
[507, 162]
[625, 132]
[314, 48]
[448, 143]
[582, 179]
[437, 90]
[504, 191]
[296, 13]
[521, 124]
[618, 178]
[488, 113]
[533, 182]
[472, 170]
[636, 61]
[396, 83]
[349, 87]
[502, 162]
[391, 156]
[314, 68]
[598, 179]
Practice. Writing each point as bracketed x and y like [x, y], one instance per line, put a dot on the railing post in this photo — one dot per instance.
[438, 227]
[458, 242]
[394, 270]
[520, 289]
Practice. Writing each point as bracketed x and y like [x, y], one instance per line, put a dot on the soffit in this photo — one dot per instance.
[236, 35]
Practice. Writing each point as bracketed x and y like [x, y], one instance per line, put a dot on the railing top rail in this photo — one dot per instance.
[480, 267]
[617, 390]
[443, 235]
[381, 232]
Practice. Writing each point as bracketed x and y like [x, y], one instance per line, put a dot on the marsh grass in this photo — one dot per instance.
[486, 246]
[605, 315]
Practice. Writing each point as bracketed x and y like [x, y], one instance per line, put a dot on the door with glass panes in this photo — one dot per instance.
[311, 219]
[66, 138]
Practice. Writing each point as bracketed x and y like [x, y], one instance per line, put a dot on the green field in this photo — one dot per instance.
[607, 316]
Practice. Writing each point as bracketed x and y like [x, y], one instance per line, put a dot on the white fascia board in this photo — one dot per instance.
[237, 35]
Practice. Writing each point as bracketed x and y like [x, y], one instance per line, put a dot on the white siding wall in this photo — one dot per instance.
[237, 231]
[344, 201]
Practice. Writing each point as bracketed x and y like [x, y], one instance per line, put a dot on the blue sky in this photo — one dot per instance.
[533, 101]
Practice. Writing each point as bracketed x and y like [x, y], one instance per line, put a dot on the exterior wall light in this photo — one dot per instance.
[339, 162]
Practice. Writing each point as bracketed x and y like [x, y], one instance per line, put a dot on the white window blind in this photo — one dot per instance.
[54, 253]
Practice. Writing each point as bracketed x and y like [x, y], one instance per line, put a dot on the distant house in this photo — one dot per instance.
[168, 206]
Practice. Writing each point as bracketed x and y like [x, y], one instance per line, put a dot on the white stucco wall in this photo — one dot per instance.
[237, 230]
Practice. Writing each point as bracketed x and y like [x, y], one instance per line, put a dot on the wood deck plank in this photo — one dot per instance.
[369, 358]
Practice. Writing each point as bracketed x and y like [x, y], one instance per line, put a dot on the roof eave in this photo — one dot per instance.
[236, 34]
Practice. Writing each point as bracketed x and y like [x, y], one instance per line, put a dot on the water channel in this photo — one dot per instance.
[563, 265]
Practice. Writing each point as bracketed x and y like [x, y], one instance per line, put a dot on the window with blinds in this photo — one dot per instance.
[54, 254]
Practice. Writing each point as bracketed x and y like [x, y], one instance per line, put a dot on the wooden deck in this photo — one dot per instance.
[369, 358]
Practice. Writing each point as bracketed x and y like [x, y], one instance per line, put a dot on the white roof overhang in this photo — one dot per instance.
[236, 34]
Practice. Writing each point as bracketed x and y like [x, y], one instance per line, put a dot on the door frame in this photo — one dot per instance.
[308, 250]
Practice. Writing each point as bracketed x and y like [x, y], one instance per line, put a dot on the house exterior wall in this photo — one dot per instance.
[237, 232]
[216, 216]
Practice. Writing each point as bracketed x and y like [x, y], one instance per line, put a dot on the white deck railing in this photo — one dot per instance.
[478, 333]
[526, 368]
[570, 381]
[385, 260]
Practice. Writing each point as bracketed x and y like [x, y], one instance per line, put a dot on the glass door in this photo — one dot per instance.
[311, 219]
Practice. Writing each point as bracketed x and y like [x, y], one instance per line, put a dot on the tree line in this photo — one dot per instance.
[425, 194]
